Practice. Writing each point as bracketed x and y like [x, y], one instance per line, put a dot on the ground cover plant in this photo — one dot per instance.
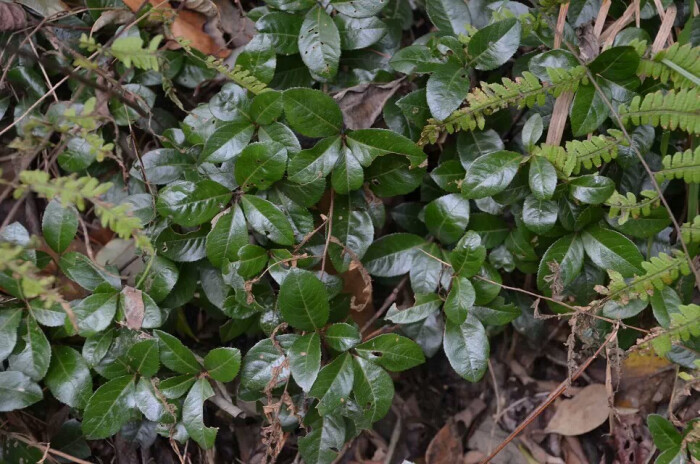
[250, 231]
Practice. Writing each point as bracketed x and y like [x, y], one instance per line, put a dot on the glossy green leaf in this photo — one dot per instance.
[611, 250]
[319, 44]
[539, 215]
[267, 107]
[391, 351]
[226, 142]
[176, 387]
[303, 301]
[109, 408]
[333, 384]
[561, 263]
[392, 254]
[491, 173]
[264, 359]
[358, 8]
[450, 16]
[592, 189]
[493, 45]
[447, 217]
[17, 391]
[260, 165]
[9, 321]
[588, 111]
[347, 174]
[342, 337]
[305, 360]
[446, 89]
[143, 357]
[192, 203]
[424, 306]
[59, 225]
[356, 33]
[373, 389]
[69, 377]
[223, 363]
[32, 354]
[316, 162]
[468, 255]
[176, 356]
[367, 144]
[96, 312]
[193, 414]
[227, 236]
[616, 63]
[467, 348]
[267, 219]
[460, 300]
[81, 270]
[185, 248]
[283, 29]
[389, 176]
[663, 432]
[542, 178]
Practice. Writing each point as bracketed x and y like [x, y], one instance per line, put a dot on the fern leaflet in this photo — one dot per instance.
[524, 91]
[661, 270]
[685, 324]
[690, 231]
[130, 50]
[596, 151]
[670, 110]
[564, 162]
[679, 63]
[626, 206]
[683, 165]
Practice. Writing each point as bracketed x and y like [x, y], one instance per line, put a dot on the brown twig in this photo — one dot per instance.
[46, 448]
[387, 303]
[550, 399]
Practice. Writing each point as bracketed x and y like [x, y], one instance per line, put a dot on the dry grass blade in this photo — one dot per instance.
[664, 34]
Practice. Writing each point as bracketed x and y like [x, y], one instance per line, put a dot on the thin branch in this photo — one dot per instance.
[387, 303]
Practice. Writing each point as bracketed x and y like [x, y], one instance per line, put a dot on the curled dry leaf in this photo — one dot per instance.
[12, 17]
[582, 413]
[133, 307]
[188, 25]
[362, 103]
[115, 17]
[446, 446]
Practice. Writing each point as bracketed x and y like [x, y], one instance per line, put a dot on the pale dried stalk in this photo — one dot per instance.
[664, 33]
[607, 37]
[602, 15]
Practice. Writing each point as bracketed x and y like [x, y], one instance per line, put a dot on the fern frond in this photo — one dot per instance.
[670, 110]
[679, 63]
[524, 91]
[130, 51]
[627, 205]
[690, 231]
[596, 151]
[661, 271]
[683, 165]
[69, 190]
[684, 325]
[562, 161]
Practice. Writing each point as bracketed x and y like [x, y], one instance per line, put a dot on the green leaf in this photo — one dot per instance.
[319, 44]
[358, 8]
[268, 220]
[161, 278]
[664, 302]
[176, 356]
[176, 387]
[59, 225]
[493, 45]
[312, 112]
[193, 414]
[459, 300]
[424, 306]
[664, 433]
[356, 33]
[9, 321]
[186, 248]
[225, 143]
[342, 337]
[96, 346]
[616, 64]
[320, 445]
[69, 377]
[347, 173]
[447, 217]
[426, 271]
[333, 384]
[373, 389]
[283, 29]
[588, 111]
[253, 259]
[303, 301]
[316, 162]
[96, 312]
[17, 391]
[228, 235]
[260, 165]
[446, 89]
[539, 215]
[305, 360]
[150, 403]
[33, 354]
[192, 203]
[392, 254]
[143, 357]
[611, 250]
[532, 131]
[279, 133]
[389, 176]
[415, 59]
[258, 58]
[352, 226]
[162, 166]
[491, 173]
[393, 352]
[109, 408]
[448, 175]
[592, 189]
[542, 178]
[267, 107]
[468, 255]
[473, 144]
[263, 360]
[81, 270]
[367, 144]
[223, 363]
[467, 348]
[497, 313]
[450, 16]
[565, 256]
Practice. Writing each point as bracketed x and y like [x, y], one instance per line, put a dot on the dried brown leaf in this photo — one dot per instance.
[12, 17]
[446, 446]
[584, 412]
[133, 307]
[362, 104]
